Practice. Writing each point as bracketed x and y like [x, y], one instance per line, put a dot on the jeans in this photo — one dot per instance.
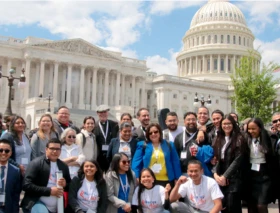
[180, 207]
[39, 207]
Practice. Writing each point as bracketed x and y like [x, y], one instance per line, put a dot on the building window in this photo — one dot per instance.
[228, 39]
[197, 41]
[175, 96]
[215, 64]
[222, 39]
[208, 64]
[155, 112]
[229, 65]
[209, 39]
[193, 42]
[202, 41]
[234, 40]
[221, 13]
[222, 64]
[148, 96]
[239, 40]
[247, 42]
[215, 39]
[244, 42]
[185, 97]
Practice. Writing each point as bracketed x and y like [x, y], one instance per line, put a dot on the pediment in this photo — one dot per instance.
[78, 46]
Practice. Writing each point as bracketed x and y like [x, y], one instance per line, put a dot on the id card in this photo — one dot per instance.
[156, 168]
[24, 161]
[90, 211]
[105, 147]
[255, 167]
[2, 197]
[183, 154]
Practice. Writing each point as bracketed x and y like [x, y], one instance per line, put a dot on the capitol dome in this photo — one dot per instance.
[215, 43]
[216, 11]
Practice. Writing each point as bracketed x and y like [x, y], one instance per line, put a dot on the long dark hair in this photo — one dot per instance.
[264, 136]
[142, 187]
[13, 131]
[236, 137]
[98, 176]
[148, 132]
[115, 166]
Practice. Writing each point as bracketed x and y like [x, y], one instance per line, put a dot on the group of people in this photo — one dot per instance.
[209, 165]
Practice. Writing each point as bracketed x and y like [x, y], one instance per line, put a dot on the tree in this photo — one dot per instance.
[254, 91]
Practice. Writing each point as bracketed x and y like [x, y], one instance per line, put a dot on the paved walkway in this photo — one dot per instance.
[273, 208]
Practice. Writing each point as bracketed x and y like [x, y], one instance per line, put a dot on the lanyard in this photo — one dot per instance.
[157, 151]
[124, 187]
[256, 148]
[144, 132]
[189, 139]
[106, 133]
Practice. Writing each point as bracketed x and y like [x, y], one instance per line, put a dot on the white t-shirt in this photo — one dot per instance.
[172, 135]
[125, 147]
[88, 196]
[51, 201]
[201, 196]
[152, 200]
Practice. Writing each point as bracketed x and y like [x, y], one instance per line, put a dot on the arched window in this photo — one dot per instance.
[222, 65]
[234, 41]
[215, 39]
[202, 41]
[209, 39]
[229, 65]
[228, 39]
[197, 41]
[215, 64]
[222, 39]
[239, 40]
[208, 65]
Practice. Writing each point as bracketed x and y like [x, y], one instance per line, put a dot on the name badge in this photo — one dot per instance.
[2, 197]
[90, 211]
[184, 154]
[24, 161]
[105, 147]
[255, 167]
[156, 167]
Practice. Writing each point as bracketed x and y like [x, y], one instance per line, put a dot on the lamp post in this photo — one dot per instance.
[202, 101]
[134, 108]
[11, 79]
[49, 98]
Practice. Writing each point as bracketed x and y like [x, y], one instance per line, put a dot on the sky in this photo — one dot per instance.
[146, 30]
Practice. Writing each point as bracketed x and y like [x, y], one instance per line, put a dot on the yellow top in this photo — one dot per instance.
[158, 158]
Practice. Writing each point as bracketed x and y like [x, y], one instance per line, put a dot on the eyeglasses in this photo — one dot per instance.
[5, 150]
[275, 121]
[155, 132]
[227, 124]
[71, 136]
[55, 149]
[125, 161]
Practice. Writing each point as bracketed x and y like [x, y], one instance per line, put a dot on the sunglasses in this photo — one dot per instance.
[125, 161]
[71, 136]
[275, 121]
[155, 132]
[55, 149]
[5, 150]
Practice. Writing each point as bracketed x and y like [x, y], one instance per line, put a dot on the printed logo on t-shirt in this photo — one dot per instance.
[52, 180]
[197, 200]
[149, 204]
[86, 196]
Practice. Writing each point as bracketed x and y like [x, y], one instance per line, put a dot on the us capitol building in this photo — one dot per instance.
[82, 76]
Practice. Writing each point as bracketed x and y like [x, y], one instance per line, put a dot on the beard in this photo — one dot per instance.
[172, 127]
[191, 129]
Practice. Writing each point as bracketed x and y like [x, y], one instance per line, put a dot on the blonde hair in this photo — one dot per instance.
[40, 132]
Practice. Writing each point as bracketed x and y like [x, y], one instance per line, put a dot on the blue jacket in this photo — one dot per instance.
[142, 159]
[205, 155]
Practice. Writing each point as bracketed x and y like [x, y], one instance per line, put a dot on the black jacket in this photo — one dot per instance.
[139, 134]
[36, 180]
[76, 184]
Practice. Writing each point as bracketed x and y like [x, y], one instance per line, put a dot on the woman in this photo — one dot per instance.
[217, 116]
[42, 136]
[261, 167]
[124, 143]
[87, 191]
[121, 183]
[21, 149]
[71, 153]
[86, 139]
[126, 117]
[229, 148]
[149, 197]
[157, 154]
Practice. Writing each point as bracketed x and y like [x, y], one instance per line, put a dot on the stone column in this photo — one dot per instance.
[100, 94]
[117, 100]
[87, 100]
[186, 68]
[203, 65]
[27, 78]
[37, 79]
[106, 87]
[234, 61]
[211, 63]
[133, 91]
[219, 63]
[123, 90]
[94, 91]
[143, 94]
[50, 78]
[111, 89]
[190, 66]
[63, 86]
[196, 65]
[226, 64]
[42, 78]
[69, 86]
[55, 81]
[82, 88]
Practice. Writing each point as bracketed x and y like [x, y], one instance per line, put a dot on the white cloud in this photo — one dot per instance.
[165, 7]
[163, 65]
[270, 51]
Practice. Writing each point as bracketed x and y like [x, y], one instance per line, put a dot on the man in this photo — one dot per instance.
[276, 148]
[173, 129]
[202, 194]
[143, 116]
[104, 131]
[40, 181]
[62, 120]
[10, 186]
[188, 148]
[203, 121]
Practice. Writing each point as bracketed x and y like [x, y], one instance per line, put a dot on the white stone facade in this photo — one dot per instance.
[82, 76]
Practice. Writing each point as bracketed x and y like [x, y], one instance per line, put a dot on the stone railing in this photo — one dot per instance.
[6, 39]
